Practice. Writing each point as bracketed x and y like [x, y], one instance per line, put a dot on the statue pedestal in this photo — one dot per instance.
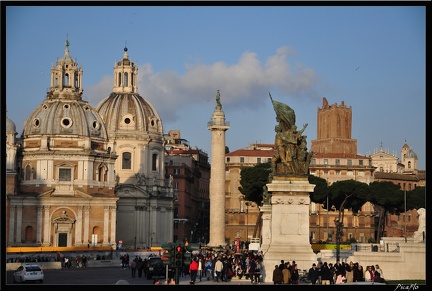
[286, 225]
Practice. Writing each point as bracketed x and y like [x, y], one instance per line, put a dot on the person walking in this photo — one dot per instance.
[325, 274]
[252, 265]
[193, 270]
[257, 273]
[313, 274]
[84, 261]
[200, 267]
[295, 276]
[133, 267]
[218, 268]
[286, 274]
[278, 277]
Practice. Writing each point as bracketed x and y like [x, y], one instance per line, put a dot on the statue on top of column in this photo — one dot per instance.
[218, 103]
[291, 157]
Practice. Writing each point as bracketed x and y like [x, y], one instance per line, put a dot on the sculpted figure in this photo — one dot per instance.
[291, 153]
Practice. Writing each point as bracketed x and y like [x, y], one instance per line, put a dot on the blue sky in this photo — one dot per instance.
[373, 58]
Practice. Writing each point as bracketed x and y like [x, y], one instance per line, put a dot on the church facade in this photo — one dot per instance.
[81, 175]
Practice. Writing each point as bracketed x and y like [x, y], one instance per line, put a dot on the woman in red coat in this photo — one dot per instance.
[193, 270]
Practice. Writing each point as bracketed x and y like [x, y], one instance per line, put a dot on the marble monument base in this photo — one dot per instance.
[285, 231]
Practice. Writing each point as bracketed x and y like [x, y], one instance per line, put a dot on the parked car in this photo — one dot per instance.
[28, 272]
[155, 267]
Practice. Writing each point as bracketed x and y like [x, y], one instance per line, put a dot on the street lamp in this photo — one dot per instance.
[339, 234]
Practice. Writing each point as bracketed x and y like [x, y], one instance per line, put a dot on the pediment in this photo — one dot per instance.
[131, 191]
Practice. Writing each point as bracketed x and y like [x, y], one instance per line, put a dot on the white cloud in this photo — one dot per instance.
[244, 84]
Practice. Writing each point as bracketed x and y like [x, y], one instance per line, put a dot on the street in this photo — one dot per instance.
[110, 276]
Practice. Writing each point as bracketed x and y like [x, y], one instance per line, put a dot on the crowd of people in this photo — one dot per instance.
[340, 273]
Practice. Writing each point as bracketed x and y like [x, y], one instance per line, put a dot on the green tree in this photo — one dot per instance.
[416, 198]
[348, 194]
[320, 192]
[386, 197]
[252, 181]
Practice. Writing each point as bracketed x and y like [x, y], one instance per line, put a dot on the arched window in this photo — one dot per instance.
[119, 79]
[66, 80]
[126, 79]
[126, 160]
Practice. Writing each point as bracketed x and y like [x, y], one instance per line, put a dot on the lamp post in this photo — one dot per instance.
[339, 234]
[327, 220]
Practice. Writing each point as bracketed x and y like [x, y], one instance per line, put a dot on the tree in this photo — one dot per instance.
[416, 198]
[348, 194]
[252, 181]
[386, 197]
[320, 192]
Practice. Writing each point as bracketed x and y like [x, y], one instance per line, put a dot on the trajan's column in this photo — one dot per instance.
[218, 126]
[285, 210]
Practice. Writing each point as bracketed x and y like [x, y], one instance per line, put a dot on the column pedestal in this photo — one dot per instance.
[286, 224]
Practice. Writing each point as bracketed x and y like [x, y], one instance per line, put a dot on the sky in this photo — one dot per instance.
[371, 58]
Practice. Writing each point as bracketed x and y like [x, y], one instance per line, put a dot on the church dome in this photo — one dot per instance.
[65, 117]
[125, 113]
[10, 125]
[63, 112]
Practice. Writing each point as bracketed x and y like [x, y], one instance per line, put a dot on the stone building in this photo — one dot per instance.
[82, 176]
[189, 170]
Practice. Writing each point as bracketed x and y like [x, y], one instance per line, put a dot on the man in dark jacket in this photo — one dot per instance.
[277, 275]
[325, 274]
[313, 274]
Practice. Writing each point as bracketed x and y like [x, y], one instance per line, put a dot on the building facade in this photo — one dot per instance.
[189, 171]
[82, 176]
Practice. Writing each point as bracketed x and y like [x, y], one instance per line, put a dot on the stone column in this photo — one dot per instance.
[217, 126]
[288, 236]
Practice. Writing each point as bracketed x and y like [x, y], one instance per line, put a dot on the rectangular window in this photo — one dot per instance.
[126, 160]
[154, 162]
[241, 159]
[325, 162]
[349, 162]
[361, 162]
[259, 160]
[337, 162]
[65, 175]
[228, 159]
[313, 162]
[268, 160]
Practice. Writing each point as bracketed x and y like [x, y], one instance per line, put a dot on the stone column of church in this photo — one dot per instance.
[78, 230]
[19, 224]
[47, 227]
[86, 224]
[113, 226]
[39, 224]
[11, 225]
[106, 224]
[218, 126]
